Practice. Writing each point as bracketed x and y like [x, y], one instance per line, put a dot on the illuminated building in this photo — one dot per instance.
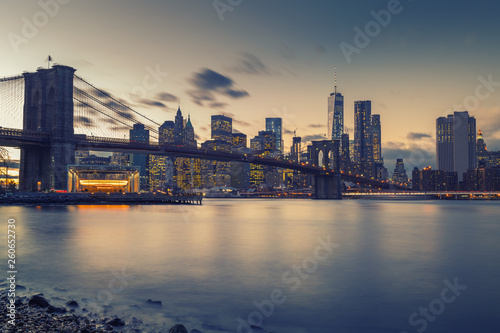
[140, 134]
[456, 143]
[295, 152]
[215, 173]
[335, 114]
[434, 180]
[346, 150]
[239, 140]
[222, 128]
[103, 179]
[363, 150]
[256, 174]
[95, 160]
[79, 154]
[376, 139]
[275, 125]
[119, 158]
[399, 175]
[485, 158]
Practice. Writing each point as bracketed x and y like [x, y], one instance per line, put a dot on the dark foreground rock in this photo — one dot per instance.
[38, 300]
[178, 329]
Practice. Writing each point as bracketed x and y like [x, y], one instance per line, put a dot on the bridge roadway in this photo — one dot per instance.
[19, 138]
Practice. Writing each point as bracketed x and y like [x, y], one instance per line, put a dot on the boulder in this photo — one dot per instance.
[178, 329]
[38, 300]
[154, 303]
[117, 322]
[72, 304]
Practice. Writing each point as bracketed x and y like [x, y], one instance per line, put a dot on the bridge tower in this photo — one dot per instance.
[48, 107]
[327, 185]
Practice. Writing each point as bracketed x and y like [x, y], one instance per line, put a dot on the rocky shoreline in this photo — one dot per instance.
[34, 313]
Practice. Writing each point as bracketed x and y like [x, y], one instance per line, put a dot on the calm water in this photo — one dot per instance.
[213, 264]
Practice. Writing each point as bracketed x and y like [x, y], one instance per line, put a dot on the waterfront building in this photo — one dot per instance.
[485, 158]
[434, 180]
[399, 175]
[119, 158]
[95, 160]
[456, 143]
[79, 154]
[140, 134]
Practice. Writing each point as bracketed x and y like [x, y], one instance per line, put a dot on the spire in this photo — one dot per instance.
[188, 124]
[335, 80]
[479, 134]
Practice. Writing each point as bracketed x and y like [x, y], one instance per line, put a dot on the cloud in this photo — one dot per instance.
[109, 121]
[166, 97]
[200, 96]
[85, 121]
[217, 105]
[149, 102]
[236, 93]
[208, 79]
[207, 83]
[417, 136]
[316, 126]
[287, 131]
[250, 64]
[120, 128]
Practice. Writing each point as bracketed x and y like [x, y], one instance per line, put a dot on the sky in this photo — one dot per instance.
[416, 60]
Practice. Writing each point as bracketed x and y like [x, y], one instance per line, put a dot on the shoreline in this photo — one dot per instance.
[35, 313]
[25, 199]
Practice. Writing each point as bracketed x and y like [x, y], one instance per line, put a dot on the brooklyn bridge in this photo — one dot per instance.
[60, 113]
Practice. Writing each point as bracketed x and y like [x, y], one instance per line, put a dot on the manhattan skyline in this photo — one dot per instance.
[256, 60]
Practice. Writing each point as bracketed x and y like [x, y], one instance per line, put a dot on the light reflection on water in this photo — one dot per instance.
[209, 263]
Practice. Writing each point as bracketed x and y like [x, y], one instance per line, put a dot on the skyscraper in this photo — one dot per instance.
[275, 125]
[376, 139]
[399, 175]
[335, 114]
[456, 143]
[140, 134]
[222, 128]
[239, 140]
[363, 148]
[295, 152]
[345, 155]
[179, 127]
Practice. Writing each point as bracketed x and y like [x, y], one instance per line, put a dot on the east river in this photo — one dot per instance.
[289, 266]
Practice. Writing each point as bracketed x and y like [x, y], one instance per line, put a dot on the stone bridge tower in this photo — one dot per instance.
[327, 185]
[48, 108]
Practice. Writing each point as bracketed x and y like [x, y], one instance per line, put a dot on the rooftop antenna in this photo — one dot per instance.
[335, 80]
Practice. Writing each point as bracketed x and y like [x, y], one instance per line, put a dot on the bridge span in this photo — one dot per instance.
[48, 140]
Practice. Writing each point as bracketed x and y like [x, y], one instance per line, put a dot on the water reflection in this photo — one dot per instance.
[210, 263]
